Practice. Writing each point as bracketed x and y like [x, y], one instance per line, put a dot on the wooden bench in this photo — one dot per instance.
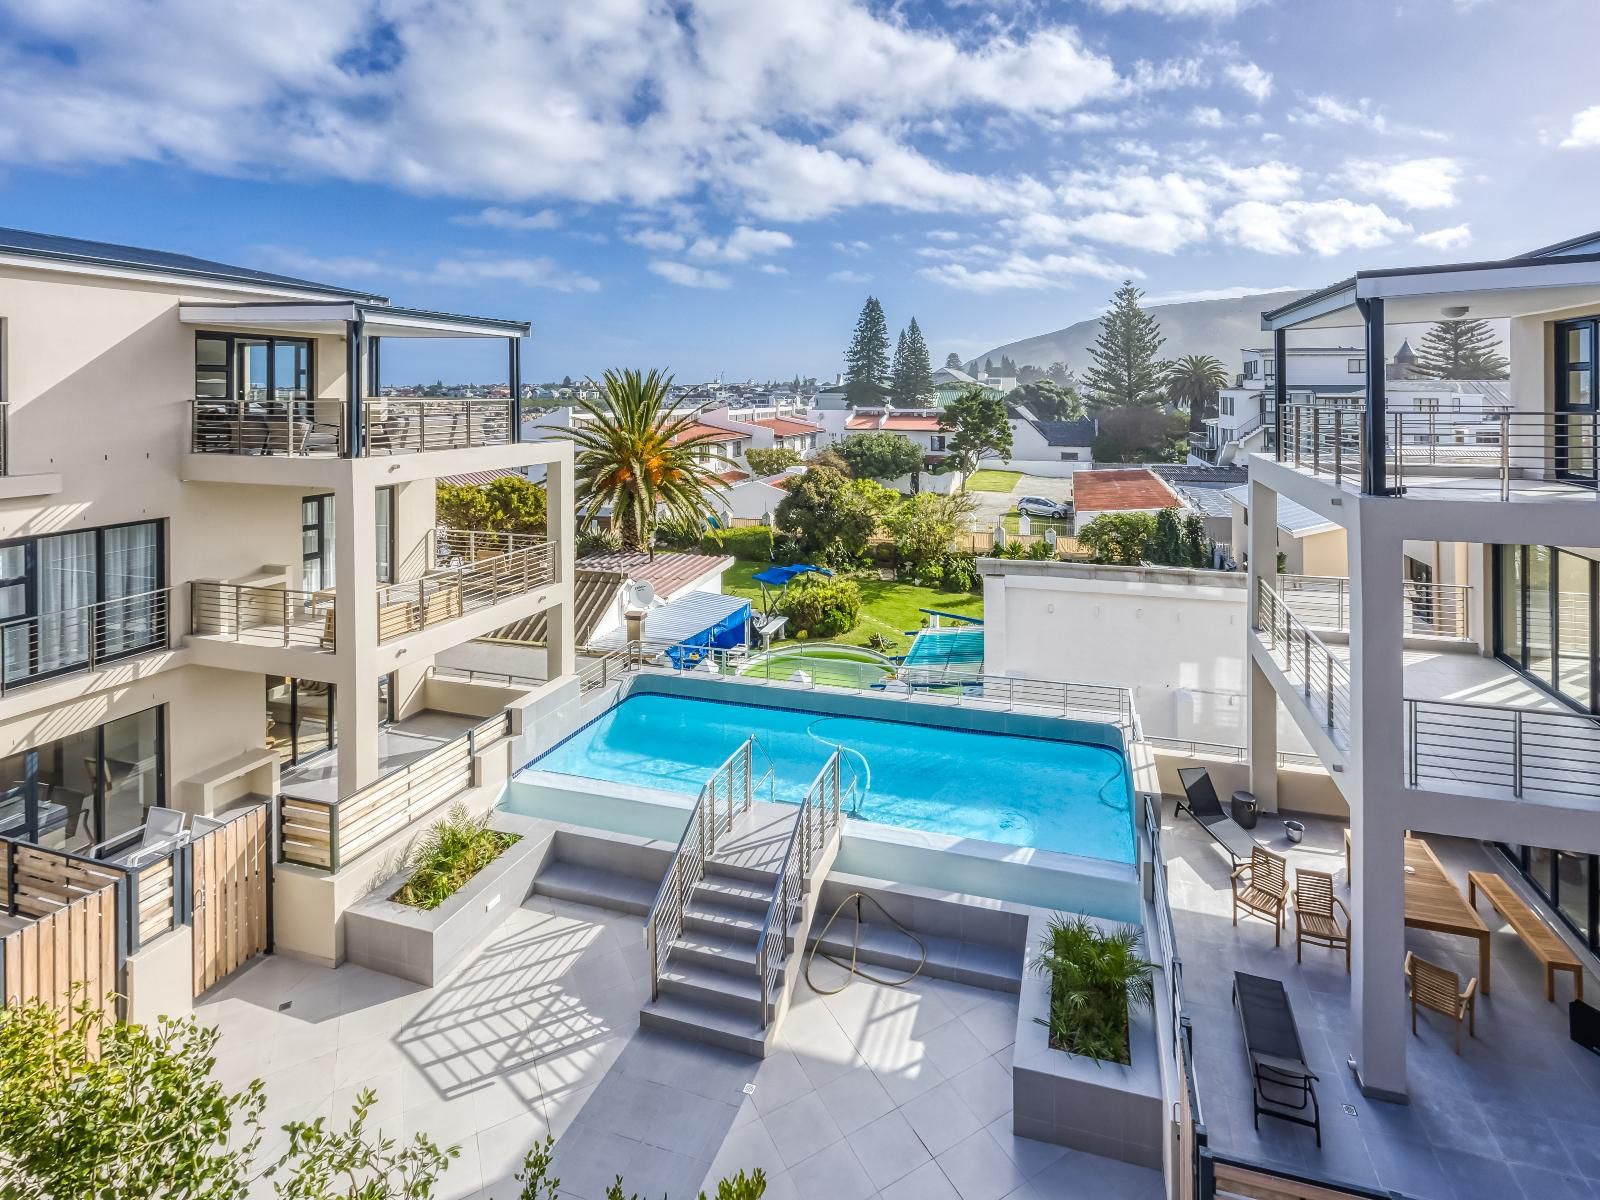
[1547, 947]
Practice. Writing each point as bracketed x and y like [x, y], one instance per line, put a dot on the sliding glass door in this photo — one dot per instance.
[1576, 409]
[1547, 619]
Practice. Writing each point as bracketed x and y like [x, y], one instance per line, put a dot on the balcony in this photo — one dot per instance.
[1438, 610]
[482, 569]
[262, 616]
[75, 641]
[320, 428]
[1472, 454]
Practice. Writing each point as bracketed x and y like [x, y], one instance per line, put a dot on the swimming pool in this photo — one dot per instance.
[1063, 796]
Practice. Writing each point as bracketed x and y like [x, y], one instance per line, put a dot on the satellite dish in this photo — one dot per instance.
[639, 594]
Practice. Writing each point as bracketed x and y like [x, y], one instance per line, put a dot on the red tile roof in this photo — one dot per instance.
[899, 422]
[1111, 491]
[733, 476]
[713, 433]
[787, 427]
[669, 572]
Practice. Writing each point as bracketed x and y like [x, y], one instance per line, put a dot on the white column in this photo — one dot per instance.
[1377, 820]
[1262, 540]
[1262, 734]
[356, 582]
[561, 523]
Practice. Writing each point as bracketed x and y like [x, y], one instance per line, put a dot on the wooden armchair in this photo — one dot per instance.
[1316, 914]
[1261, 888]
[1434, 987]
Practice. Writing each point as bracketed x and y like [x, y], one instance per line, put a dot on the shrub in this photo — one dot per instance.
[771, 461]
[825, 509]
[821, 606]
[750, 542]
[960, 573]
[1118, 538]
[510, 504]
[1040, 550]
[597, 541]
[680, 533]
[1097, 980]
[453, 850]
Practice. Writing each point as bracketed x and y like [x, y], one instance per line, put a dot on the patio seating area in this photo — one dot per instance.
[399, 743]
[902, 1093]
[1516, 1114]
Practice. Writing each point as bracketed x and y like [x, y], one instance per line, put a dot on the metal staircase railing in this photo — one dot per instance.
[730, 790]
[815, 825]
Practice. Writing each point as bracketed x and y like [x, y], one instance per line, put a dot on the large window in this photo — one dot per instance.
[1570, 882]
[88, 787]
[1547, 606]
[71, 600]
[384, 520]
[299, 717]
[255, 370]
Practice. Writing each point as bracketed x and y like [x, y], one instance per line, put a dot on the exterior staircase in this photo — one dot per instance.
[726, 929]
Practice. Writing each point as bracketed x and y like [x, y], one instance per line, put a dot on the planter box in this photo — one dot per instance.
[425, 945]
[1103, 1108]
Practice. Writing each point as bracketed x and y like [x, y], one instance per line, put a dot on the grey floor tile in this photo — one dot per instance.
[1476, 1177]
[941, 1118]
[1030, 1156]
[855, 1099]
[888, 1149]
[980, 1169]
[985, 1087]
[1539, 1184]
[832, 1173]
[927, 1182]
[801, 1128]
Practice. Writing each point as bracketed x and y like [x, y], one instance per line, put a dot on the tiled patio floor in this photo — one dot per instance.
[398, 744]
[903, 1093]
[1517, 1115]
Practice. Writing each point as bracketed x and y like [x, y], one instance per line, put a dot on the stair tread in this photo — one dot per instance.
[735, 892]
[688, 1012]
[610, 889]
[723, 983]
[732, 950]
[726, 916]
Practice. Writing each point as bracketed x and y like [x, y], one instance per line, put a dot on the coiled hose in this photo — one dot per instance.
[853, 967]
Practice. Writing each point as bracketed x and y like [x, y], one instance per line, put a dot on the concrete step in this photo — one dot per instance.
[718, 952]
[733, 893]
[712, 1025]
[712, 988]
[730, 920]
[742, 872]
[596, 886]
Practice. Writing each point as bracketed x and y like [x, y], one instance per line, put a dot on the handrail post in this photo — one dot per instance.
[1505, 456]
[1411, 758]
[1338, 445]
[1316, 441]
[1516, 753]
[286, 604]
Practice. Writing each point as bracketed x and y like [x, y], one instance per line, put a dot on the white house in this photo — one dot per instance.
[1136, 489]
[1052, 448]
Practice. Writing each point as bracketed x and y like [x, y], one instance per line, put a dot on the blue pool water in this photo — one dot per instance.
[1069, 797]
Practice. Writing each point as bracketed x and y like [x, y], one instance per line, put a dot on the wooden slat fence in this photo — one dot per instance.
[231, 869]
[317, 833]
[75, 933]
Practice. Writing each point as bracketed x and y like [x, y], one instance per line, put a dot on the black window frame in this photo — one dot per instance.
[1564, 412]
[1521, 664]
[232, 340]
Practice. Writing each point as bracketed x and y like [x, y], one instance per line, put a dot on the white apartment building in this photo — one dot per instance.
[221, 573]
[1498, 741]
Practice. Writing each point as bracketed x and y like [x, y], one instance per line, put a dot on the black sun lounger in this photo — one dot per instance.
[1282, 1082]
[1201, 801]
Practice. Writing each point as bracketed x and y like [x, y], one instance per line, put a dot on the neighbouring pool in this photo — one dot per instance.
[827, 663]
[1062, 796]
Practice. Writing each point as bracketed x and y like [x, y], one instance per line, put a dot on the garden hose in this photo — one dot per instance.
[853, 967]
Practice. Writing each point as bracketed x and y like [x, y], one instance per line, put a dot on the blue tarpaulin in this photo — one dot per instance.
[779, 576]
[692, 624]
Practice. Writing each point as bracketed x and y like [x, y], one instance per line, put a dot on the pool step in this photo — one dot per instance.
[713, 987]
[596, 886]
[715, 1026]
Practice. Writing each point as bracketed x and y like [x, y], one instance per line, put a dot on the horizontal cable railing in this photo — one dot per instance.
[1324, 678]
[1232, 751]
[1429, 609]
[418, 426]
[82, 638]
[730, 790]
[261, 426]
[451, 592]
[270, 616]
[456, 546]
[815, 825]
[473, 675]
[1166, 947]
[1451, 743]
[328, 834]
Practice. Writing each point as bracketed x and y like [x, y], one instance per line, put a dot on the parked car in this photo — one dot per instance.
[1039, 506]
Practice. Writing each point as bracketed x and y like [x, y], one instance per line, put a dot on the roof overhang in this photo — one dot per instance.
[381, 320]
[1516, 287]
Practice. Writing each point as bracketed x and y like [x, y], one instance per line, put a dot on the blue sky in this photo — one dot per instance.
[715, 185]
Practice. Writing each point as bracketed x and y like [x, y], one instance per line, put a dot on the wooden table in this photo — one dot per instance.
[1434, 903]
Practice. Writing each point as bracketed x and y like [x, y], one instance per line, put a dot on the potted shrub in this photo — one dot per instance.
[452, 851]
[1097, 981]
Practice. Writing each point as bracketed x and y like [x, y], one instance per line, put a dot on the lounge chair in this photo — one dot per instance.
[1261, 888]
[1200, 799]
[1284, 1087]
[1438, 988]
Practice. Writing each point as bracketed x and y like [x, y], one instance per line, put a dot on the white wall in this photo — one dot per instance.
[1176, 637]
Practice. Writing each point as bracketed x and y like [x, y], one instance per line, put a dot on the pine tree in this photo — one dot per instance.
[866, 362]
[952, 361]
[912, 385]
[1464, 349]
[1125, 370]
[988, 366]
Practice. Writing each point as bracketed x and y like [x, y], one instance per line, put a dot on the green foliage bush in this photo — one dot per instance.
[680, 533]
[750, 542]
[821, 605]
[510, 504]
[597, 541]
[1118, 538]
[770, 461]
[1097, 980]
[831, 515]
[454, 849]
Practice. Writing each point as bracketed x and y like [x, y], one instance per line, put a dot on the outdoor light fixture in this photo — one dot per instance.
[1455, 311]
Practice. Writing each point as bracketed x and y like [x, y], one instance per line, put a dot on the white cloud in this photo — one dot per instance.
[1270, 180]
[1130, 206]
[1412, 182]
[743, 244]
[685, 275]
[1179, 8]
[1585, 132]
[1330, 110]
[1205, 116]
[943, 235]
[848, 277]
[1325, 227]
[509, 219]
[466, 270]
[854, 248]
[1024, 272]
[772, 269]
[1451, 238]
[1250, 79]
[662, 241]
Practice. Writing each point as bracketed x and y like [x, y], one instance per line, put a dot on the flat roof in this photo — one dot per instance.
[1294, 519]
[1111, 491]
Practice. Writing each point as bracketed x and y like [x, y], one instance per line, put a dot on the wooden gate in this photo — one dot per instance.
[66, 958]
[232, 869]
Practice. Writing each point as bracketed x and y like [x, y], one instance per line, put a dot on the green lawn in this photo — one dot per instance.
[993, 481]
[1038, 525]
[887, 606]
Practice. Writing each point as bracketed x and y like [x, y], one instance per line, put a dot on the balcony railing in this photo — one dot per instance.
[1324, 678]
[317, 428]
[453, 547]
[1450, 744]
[1430, 609]
[74, 640]
[1330, 439]
[265, 616]
[451, 592]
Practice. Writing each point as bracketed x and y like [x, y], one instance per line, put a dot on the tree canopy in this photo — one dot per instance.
[1140, 435]
[911, 384]
[1461, 349]
[979, 428]
[1193, 382]
[825, 509]
[771, 460]
[881, 455]
[1125, 371]
[952, 361]
[1048, 400]
[866, 362]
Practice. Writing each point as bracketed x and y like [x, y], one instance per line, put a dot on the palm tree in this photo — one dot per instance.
[638, 456]
[1194, 381]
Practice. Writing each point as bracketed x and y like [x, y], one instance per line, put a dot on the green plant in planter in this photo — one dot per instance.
[1097, 982]
[453, 850]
